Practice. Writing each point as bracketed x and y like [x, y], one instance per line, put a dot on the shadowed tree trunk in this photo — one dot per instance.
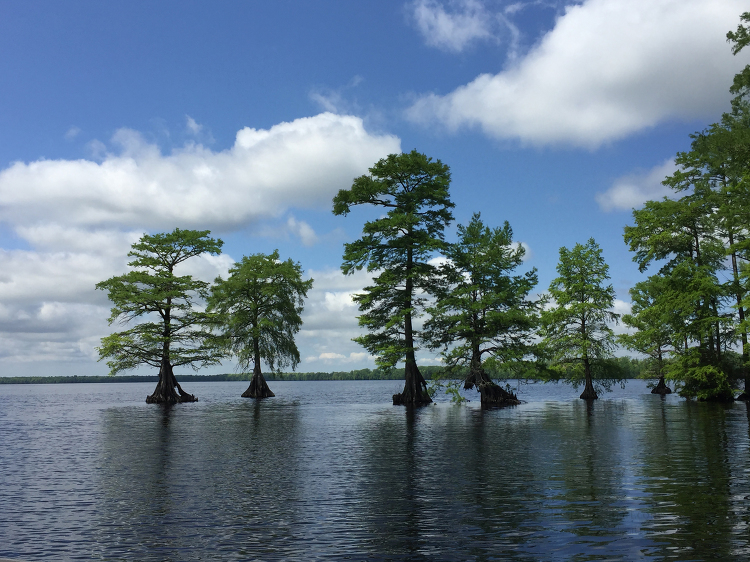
[415, 387]
[168, 390]
[588, 392]
[491, 394]
[661, 388]
[258, 387]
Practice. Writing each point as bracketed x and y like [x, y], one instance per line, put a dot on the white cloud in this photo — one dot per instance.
[72, 133]
[303, 230]
[621, 307]
[635, 189]
[80, 218]
[192, 125]
[454, 29]
[301, 163]
[329, 358]
[607, 69]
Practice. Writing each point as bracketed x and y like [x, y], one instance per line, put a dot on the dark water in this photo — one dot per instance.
[330, 470]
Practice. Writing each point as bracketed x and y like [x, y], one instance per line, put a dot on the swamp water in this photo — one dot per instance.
[331, 470]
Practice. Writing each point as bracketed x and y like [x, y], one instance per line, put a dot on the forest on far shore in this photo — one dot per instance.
[630, 368]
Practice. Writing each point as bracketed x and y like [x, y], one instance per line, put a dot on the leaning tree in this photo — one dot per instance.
[257, 310]
[484, 314]
[577, 336]
[170, 331]
[412, 189]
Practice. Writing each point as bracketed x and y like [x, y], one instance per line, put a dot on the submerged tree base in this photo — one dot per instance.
[588, 392]
[168, 390]
[492, 394]
[415, 389]
[661, 388]
[258, 387]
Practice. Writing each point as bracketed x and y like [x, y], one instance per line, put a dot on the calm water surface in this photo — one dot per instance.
[331, 470]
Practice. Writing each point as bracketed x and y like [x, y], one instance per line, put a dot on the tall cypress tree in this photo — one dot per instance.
[412, 189]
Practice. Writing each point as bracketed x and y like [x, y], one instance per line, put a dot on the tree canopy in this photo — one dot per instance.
[173, 332]
[397, 247]
[484, 314]
[257, 310]
[577, 335]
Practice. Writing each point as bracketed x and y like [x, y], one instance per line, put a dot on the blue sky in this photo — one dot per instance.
[119, 118]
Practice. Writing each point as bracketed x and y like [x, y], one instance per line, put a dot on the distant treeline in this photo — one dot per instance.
[631, 368]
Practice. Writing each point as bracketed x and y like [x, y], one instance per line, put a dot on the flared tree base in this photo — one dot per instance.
[494, 395]
[258, 387]
[415, 389]
[661, 388]
[168, 390]
[588, 392]
[491, 393]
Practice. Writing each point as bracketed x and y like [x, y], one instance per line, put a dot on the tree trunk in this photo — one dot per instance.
[491, 394]
[588, 392]
[415, 387]
[168, 390]
[661, 388]
[258, 387]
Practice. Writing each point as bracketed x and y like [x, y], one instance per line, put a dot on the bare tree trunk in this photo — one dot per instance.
[168, 390]
[258, 387]
[588, 392]
[491, 393]
[415, 387]
[661, 388]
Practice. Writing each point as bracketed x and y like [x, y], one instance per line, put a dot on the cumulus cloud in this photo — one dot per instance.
[330, 321]
[451, 26]
[301, 163]
[635, 189]
[79, 219]
[621, 307]
[608, 68]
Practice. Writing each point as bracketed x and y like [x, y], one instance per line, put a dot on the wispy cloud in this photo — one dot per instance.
[453, 25]
[635, 189]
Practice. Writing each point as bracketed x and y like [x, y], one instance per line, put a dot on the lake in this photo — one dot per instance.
[333, 471]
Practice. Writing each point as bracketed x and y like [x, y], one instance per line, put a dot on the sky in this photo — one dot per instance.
[245, 118]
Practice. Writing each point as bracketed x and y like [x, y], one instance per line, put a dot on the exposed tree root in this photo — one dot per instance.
[415, 388]
[491, 393]
[168, 390]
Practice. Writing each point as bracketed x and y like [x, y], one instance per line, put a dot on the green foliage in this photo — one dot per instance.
[695, 239]
[257, 310]
[577, 337]
[740, 40]
[413, 189]
[172, 329]
[483, 310]
[654, 322]
[696, 378]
